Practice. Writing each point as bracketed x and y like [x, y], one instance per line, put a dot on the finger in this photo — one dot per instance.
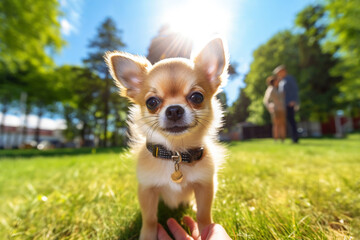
[162, 234]
[177, 231]
[193, 226]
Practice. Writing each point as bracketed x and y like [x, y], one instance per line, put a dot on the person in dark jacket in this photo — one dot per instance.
[289, 87]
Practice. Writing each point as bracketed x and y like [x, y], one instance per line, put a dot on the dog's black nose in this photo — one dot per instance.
[174, 112]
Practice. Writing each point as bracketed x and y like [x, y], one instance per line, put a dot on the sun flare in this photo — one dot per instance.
[199, 20]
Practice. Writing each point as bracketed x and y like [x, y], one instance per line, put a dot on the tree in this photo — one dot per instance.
[107, 39]
[118, 118]
[345, 41]
[79, 89]
[238, 112]
[28, 35]
[315, 64]
[9, 93]
[42, 95]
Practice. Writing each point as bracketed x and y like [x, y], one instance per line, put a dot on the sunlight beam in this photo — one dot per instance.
[199, 20]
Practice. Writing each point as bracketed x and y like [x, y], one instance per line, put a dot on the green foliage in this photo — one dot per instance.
[238, 112]
[315, 64]
[345, 40]
[29, 30]
[265, 191]
[79, 89]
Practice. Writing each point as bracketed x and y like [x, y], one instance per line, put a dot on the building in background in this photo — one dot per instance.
[12, 137]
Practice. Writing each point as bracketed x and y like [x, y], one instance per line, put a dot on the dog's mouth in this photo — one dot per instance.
[177, 129]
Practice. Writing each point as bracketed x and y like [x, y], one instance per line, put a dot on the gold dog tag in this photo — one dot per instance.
[177, 176]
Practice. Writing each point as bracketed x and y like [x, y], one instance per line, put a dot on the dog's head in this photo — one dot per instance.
[175, 95]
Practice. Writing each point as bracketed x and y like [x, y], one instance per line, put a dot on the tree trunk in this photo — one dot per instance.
[83, 133]
[96, 133]
[24, 131]
[37, 131]
[2, 124]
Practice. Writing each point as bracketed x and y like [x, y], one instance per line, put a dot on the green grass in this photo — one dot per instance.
[266, 190]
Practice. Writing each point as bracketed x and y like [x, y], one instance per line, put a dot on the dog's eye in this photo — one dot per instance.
[196, 98]
[152, 103]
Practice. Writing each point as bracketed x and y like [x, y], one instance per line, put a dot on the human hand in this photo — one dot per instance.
[212, 231]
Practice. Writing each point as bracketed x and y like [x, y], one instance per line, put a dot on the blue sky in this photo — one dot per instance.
[246, 24]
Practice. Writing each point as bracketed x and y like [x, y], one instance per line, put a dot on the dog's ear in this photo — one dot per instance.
[212, 61]
[128, 71]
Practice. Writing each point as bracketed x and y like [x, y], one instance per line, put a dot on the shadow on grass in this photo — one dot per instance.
[28, 153]
[132, 231]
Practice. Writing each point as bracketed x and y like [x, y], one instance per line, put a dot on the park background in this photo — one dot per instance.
[55, 92]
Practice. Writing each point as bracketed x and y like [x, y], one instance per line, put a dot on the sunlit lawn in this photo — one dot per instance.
[266, 190]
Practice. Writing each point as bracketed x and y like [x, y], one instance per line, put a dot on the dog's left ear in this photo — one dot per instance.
[212, 61]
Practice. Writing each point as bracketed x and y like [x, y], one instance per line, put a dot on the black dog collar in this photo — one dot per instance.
[189, 156]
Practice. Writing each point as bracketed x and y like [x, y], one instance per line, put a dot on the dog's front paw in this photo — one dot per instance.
[203, 224]
[147, 233]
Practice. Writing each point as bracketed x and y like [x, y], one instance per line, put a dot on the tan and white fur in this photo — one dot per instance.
[173, 82]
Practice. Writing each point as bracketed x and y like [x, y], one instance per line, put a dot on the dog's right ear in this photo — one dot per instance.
[128, 71]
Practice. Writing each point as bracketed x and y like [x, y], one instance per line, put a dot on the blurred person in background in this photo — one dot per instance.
[274, 102]
[289, 88]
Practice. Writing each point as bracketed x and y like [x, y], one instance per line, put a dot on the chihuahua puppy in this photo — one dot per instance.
[173, 128]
